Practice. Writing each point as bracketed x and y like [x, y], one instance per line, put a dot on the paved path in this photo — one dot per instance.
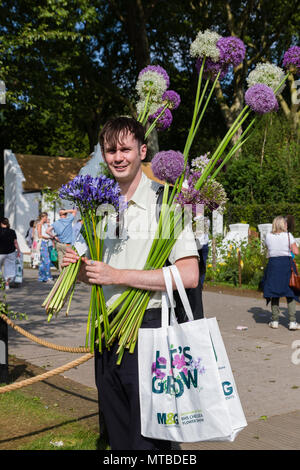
[264, 361]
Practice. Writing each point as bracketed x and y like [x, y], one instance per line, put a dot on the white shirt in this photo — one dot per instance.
[278, 244]
[137, 231]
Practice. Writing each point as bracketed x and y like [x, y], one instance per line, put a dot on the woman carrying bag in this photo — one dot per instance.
[280, 244]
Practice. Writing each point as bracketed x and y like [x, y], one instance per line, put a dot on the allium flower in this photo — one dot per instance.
[200, 163]
[152, 78]
[213, 194]
[268, 74]
[168, 165]
[261, 98]
[172, 98]
[232, 50]
[211, 68]
[291, 59]
[152, 106]
[164, 121]
[205, 45]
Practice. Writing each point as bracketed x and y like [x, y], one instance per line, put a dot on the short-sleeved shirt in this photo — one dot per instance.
[137, 231]
[64, 229]
[278, 244]
[7, 239]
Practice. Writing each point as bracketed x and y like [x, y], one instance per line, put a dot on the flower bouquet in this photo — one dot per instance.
[94, 197]
[184, 187]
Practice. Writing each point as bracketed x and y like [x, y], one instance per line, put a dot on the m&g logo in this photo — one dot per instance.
[168, 419]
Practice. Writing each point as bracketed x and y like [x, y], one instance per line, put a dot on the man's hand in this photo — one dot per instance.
[91, 272]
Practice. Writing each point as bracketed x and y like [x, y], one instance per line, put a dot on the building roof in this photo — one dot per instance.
[41, 171]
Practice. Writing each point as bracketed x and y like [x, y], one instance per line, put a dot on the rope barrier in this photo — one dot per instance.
[40, 341]
[46, 375]
[50, 373]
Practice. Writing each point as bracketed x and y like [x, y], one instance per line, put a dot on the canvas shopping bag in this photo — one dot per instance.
[181, 394]
[238, 420]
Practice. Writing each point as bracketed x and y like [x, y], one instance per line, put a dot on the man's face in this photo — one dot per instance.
[124, 160]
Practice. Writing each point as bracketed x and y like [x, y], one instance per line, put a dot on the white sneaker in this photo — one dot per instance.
[273, 324]
[294, 326]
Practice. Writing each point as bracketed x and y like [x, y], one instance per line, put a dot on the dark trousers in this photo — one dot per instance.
[203, 254]
[118, 394]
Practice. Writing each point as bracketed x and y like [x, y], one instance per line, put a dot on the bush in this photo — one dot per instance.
[253, 261]
[256, 214]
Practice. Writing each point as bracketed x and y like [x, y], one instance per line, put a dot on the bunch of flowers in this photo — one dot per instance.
[94, 197]
[156, 102]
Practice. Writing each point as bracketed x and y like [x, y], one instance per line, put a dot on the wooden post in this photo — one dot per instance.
[213, 253]
[239, 268]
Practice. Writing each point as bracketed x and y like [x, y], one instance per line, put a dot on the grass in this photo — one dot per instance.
[28, 424]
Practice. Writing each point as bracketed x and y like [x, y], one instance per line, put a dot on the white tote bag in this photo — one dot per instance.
[181, 394]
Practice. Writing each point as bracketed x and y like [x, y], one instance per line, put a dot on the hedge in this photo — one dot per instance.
[255, 214]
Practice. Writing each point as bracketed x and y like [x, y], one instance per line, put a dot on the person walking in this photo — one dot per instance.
[62, 231]
[123, 146]
[44, 265]
[8, 248]
[280, 244]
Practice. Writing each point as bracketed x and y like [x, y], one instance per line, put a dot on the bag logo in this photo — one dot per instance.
[182, 375]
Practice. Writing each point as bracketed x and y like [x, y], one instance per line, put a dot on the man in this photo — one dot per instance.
[8, 247]
[124, 149]
[63, 231]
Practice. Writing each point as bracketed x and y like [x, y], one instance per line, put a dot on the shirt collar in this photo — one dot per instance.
[140, 196]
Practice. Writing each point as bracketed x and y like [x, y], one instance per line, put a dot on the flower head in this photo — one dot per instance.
[89, 193]
[211, 68]
[172, 98]
[261, 98]
[152, 79]
[205, 45]
[168, 165]
[232, 50]
[164, 121]
[291, 59]
[268, 74]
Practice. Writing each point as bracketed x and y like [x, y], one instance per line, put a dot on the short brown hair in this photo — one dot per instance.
[120, 127]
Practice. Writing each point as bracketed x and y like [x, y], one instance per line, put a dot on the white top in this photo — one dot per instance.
[278, 244]
[137, 231]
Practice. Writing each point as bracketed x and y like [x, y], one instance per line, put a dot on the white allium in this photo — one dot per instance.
[205, 44]
[153, 106]
[153, 81]
[268, 74]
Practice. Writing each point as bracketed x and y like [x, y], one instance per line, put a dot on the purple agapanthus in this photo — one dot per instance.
[232, 50]
[261, 98]
[157, 69]
[291, 59]
[211, 68]
[164, 121]
[172, 98]
[168, 165]
[89, 193]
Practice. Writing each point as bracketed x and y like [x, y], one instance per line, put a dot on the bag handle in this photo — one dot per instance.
[167, 299]
[182, 293]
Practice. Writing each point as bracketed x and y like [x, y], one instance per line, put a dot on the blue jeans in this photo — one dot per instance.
[44, 267]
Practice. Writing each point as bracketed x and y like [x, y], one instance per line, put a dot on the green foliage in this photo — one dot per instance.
[5, 308]
[253, 261]
[255, 214]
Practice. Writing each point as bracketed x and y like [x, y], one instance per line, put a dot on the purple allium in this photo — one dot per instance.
[211, 68]
[189, 195]
[168, 165]
[172, 98]
[291, 59]
[261, 98]
[232, 50]
[157, 69]
[164, 121]
[89, 193]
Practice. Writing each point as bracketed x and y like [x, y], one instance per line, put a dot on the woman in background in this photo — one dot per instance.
[8, 247]
[44, 266]
[280, 244]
